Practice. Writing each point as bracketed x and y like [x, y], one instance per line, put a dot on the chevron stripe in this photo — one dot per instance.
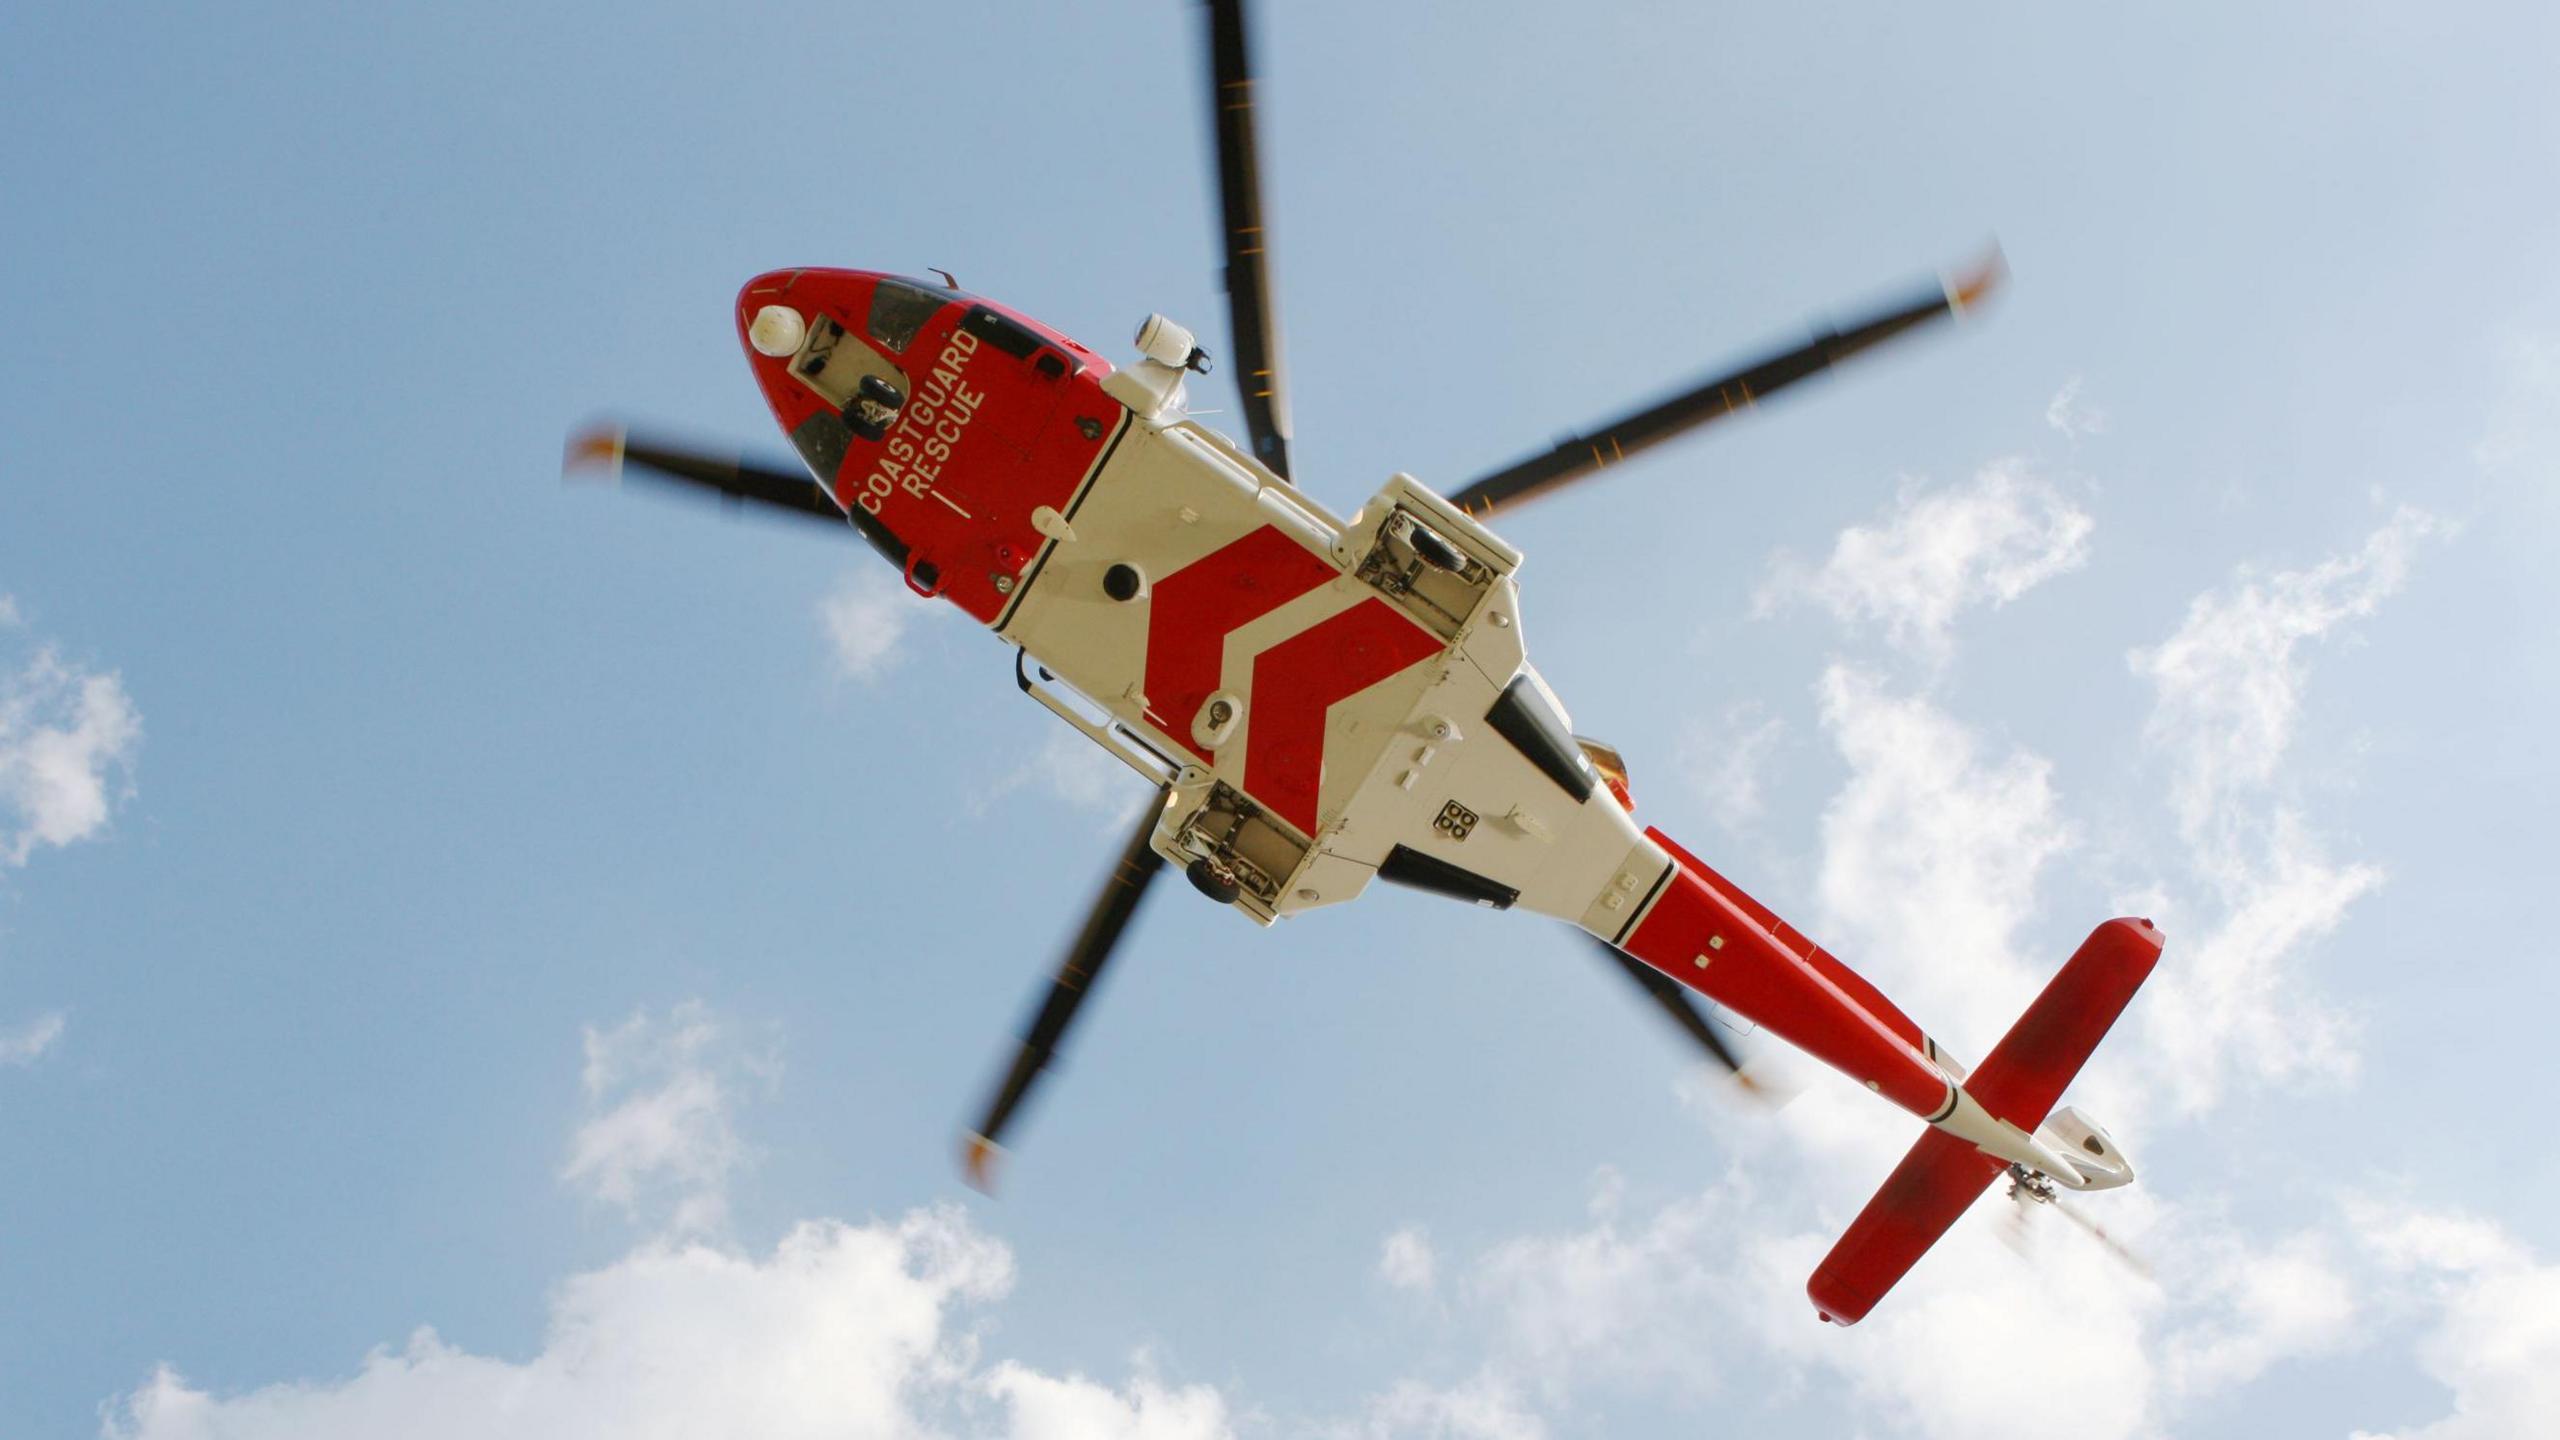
[1197, 607]
[1296, 682]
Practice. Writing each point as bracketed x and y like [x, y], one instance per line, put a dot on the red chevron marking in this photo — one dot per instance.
[1195, 608]
[1296, 682]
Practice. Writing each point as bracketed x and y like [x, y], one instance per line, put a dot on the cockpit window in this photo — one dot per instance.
[899, 309]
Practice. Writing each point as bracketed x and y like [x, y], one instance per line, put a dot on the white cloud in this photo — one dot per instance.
[2227, 700]
[1071, 768]
[865, 618]
[2494, 1310]
[660, 1134]
[1612, 1298]
[2410, 1239]
[2073, 416]
[67, 740]
[1980, 1337]
[1405, 1262]
[1485, 1406]
[2236, 1001]
[1049, 1407]
[2228, 685]
[1930, 856]
[1939, 553]
[871, 1329]
[27, 1043]
[1725, 760]
[2289, 1300]
[66, 733]
[844, 1330]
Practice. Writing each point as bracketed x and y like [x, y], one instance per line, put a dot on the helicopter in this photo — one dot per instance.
[1325, 701]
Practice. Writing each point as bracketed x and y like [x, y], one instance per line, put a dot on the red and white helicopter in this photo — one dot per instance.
[1326, 701]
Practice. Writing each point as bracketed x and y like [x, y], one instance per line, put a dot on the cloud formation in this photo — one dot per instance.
[2228, 690]
[1938, 553]
[2228, 684]
[26, 1044]
[1726, 760]
[1931, 852]
[1484, 1406]
[2493, 1317]
[67, 738]
[866, 619]
[68, 735]
[1070, 768]
[2072, 416]
[843, 1330]
[1405, 1261]
[660, 1140]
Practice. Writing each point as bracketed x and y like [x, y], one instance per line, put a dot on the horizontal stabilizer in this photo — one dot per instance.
[2019, 1083]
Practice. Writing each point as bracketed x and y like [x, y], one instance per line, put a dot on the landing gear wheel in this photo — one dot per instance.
[1212, 881]
[1437, 553]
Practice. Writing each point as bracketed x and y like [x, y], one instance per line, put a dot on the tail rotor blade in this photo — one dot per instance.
[2025, 1202]
[2097, 1232]
[1253, 318]
[1137, 866]
[1579, 455]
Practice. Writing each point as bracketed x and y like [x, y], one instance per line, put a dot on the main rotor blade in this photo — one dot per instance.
[1256, 325]
[736, 479]
[1675, 1002]
[1137, 866]
[1579, 455]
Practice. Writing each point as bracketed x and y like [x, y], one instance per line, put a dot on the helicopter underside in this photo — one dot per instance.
[1327, 701]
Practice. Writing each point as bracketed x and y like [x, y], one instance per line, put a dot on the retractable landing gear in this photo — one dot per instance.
[1213, 880]
[874, 408]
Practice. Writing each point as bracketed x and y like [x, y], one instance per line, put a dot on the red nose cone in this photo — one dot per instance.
[945, 420]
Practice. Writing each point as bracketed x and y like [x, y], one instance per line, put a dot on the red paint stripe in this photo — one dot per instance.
[1194, 609]
[1855, 985]
[1298, 680]
[1777, 988]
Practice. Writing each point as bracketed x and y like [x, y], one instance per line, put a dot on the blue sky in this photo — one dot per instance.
[484, 956]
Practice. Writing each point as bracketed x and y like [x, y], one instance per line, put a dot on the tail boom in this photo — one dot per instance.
[1704, 932]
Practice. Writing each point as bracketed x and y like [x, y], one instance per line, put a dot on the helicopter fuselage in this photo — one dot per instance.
[1326, 701]
[1329, 701]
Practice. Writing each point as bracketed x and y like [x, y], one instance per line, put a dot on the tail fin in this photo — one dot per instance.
[2018, 1084]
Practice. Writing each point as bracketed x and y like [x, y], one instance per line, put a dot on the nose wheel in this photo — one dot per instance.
[1213, 880]
[874, 408]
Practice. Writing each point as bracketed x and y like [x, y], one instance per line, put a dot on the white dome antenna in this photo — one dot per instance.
[777, 331]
